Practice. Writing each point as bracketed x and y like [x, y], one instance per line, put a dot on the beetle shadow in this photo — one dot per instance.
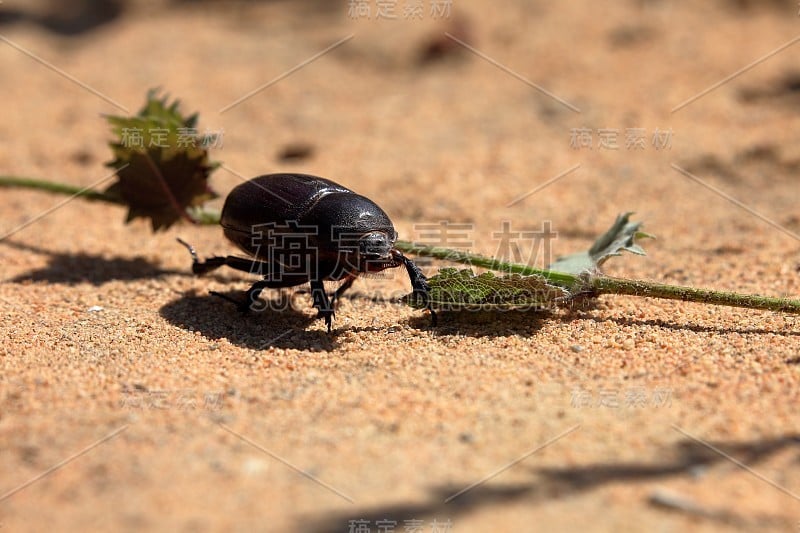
[72, 269]
[475, 323]
[279, 325]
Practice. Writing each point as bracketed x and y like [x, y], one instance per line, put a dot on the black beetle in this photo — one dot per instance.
[304, 229]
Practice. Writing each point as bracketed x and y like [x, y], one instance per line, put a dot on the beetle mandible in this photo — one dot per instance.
[300, 228]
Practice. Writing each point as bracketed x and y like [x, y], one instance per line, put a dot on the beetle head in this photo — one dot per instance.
[375, 251]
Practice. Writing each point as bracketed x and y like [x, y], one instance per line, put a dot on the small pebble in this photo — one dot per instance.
[577, 348]
[698, 471]
[628, 344]
[95, 309]
[296, 151]
[466, 438]
[674, 501]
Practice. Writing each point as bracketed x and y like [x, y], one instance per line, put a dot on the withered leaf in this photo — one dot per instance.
[163, 163]
[621, 236]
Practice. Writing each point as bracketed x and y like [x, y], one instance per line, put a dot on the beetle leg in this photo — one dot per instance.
[341, 290]
[251, 297]
[213, 263]
[241, 306]
[419, 283]
[321, 302]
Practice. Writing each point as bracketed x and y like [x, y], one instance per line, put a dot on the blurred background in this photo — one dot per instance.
[451, 111]
[439, 110]
[466, 121]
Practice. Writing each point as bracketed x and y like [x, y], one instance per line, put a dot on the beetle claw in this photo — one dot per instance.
[328, 316]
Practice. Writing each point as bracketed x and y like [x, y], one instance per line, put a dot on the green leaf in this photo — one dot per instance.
[621, 236]
[163, 163]
[453, 289]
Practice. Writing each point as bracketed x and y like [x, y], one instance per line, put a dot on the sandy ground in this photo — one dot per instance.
[634, 415]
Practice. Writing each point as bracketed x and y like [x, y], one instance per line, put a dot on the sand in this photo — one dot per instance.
[131, 399]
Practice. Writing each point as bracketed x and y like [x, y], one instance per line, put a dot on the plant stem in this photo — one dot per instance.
[58, 188]
[609, 285]
[559, 278]
[597, 284]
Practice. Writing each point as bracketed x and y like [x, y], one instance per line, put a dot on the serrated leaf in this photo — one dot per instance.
[620, 237]
[164, 167]
[453, 289]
